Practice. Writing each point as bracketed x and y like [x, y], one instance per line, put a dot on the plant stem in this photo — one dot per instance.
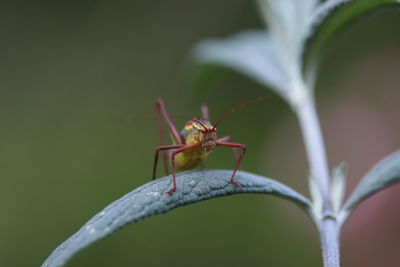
[329, 236]
[315, 149]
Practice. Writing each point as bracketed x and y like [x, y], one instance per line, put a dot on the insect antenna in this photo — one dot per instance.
[258, 99]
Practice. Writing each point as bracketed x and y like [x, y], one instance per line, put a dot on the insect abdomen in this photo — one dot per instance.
[190, 159]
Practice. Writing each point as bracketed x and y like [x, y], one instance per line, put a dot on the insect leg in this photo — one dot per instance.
[173, 154]
[234, 149]
[161, 148]
[204, 112]
[162, 113]
[234, 145]
[171, 127]
[224, 139]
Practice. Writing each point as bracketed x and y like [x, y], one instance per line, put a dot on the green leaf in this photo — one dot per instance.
[316, 198]
[288, 21]
[329, 18]
[252, 53]
[298, 33]
[271, 57]
[339, 175]
[151, 199]
[382, 175]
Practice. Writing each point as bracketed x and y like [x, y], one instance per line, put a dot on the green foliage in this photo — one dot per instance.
[384, 174]
[285, 58]
[252, 52]
[329, 19]
[338, 186]
[152, 199]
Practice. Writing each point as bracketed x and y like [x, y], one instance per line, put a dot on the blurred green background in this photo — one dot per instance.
[78, 86]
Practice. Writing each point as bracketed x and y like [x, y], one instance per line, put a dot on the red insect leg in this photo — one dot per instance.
[225, 139]
[234, 149]
[162, 113]
[161, 148]
[234, 145]
[173, 154]
[204, 112]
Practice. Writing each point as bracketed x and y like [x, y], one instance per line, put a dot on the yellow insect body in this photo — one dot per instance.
[194, 133]
[193, 144]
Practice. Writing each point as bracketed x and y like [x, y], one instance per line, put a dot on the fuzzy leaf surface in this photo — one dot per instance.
[288, 21]
[151, 199]
[252, 53]
[331, 17]
[382, 175]
[338, 185]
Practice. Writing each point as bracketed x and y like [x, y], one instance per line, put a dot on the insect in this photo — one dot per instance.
[192, 145]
